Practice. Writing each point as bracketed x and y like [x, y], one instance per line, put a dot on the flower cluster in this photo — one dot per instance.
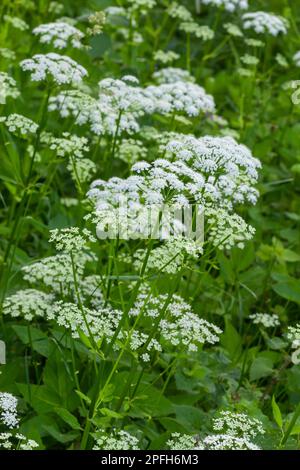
[265, 319]
[59, 34]
[28, 303]
[17, 441]
[165, 57]
[16, 22]
[8, 410]
[229, 5]
[19, 124]
[8, 88]
[69, 240]
[172, 75]
[62, 69]
[296, 59]
[67, 145]
[118, 440]
[262, 22]
[237, 425]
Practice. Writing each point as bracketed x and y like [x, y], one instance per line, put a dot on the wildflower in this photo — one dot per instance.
[16, 22]
[265, 319]
[62, 69]
[71, 239]
[262, 22]
[281, 60]
[180, 97]
[229, 5]
[165, 57]
[82, 170]
[228, 442]
[254, 42]
[28, 303]
[10, 441]
[7, 54]
[68, 144]
[184, 442]
[249, 59]
[55, 7]
[233, 30]
[296, 58]
[8, 87]
[141, 5]
[237, 425]
[293, 335]
[97, 20]
[172, 75]
[8, 410]
[100, 323]
[131, 150]
[179, 12]
[118, 440]
[202, 32]
[59, 34]
[19, 124]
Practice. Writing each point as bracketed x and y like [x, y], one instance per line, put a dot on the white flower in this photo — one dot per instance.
[172, 75]
[118, 440]
[17, 123]
[59, 34]
[16, 22]
[228, 442]
[180, 97]
[237, 425]
[8, 88]
[71, 239]
[28, 303]
[265, 319]
[229, 5]
[296, 59]
[8, 410]
[184, 442]
[203, 32]
[165, 57]
[175, 10]
[262, 22]
[68, 144]
[62, 69]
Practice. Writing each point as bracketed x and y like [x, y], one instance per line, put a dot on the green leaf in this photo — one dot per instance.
[277, 413]
[59, 436]
[289, 290]
[261, 367]
[83, 397]
[110, 413]
[232, 341]
[68, 418]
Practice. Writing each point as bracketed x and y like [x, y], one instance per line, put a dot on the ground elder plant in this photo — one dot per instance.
[149, 222]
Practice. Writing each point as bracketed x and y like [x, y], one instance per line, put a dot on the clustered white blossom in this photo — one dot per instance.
[229, 5]
[16, 22]
[141, 5]
[7, 54]
[10, 441]
[237, 425]
[68, 144]
[296, 59]
[131, 150]
[59, 34]
[265, 319]
[234, 432]
[8, 410]
[180, 12]
[8, 88]
[71, 239]
[118, 440]
[28, 303]
[202, 32]
[82, 170]
[262, 22]
[180, 97]
[165, 57]
[180, 326]
[172, 75]
[62, 69]
[293, 335]
[19, 124]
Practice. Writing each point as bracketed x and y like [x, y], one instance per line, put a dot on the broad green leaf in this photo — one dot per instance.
[68, 418]
[277, 413]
